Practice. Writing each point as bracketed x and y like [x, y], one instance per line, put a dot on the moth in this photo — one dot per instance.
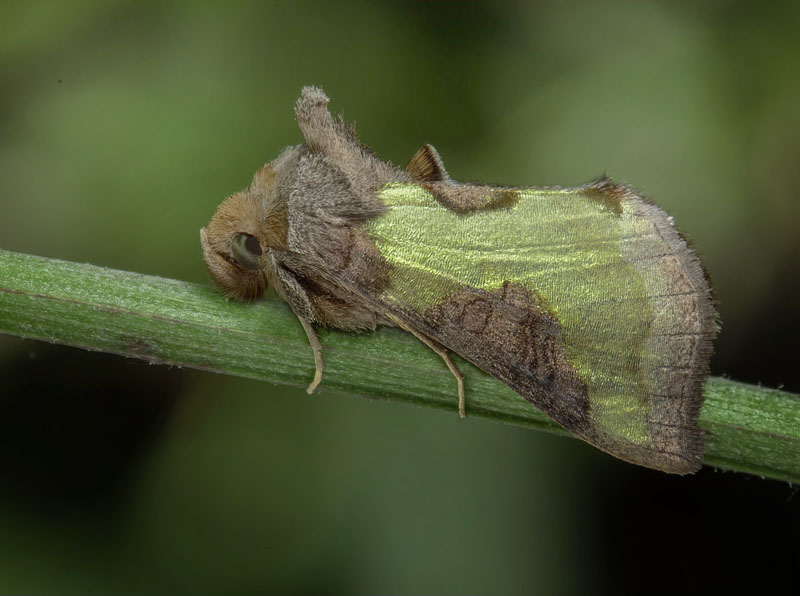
[586, 301]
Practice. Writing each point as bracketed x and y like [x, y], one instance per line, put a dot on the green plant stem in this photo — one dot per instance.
[751, 429]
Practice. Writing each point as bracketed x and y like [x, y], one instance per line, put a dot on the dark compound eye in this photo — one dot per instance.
[246, 251]
[252, 245]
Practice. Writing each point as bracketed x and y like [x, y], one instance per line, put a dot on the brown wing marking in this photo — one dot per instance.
[468, 198]
[607, 192]
[510, 334]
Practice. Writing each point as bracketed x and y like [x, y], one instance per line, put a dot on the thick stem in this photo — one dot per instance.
[752, 429]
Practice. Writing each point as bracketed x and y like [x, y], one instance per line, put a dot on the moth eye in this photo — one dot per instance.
[246, 251]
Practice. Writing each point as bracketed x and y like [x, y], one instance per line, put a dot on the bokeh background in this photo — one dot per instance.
[122, 126]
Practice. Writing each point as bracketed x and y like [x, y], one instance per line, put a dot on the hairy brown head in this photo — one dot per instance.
[238, 242]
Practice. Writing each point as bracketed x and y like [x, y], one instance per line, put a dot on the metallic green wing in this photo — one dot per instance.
[611, 292]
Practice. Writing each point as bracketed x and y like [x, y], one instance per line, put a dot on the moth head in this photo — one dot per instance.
[238, 241]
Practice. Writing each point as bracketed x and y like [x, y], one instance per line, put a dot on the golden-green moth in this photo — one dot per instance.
[586, 301]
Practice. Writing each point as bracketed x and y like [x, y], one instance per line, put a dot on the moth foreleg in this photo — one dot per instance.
[442, 352]
[316, 346]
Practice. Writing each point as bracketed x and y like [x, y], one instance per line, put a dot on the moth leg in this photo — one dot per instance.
[442, 352]
[316, 346]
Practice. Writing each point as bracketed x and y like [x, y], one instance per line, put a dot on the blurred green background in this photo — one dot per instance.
[124, 124]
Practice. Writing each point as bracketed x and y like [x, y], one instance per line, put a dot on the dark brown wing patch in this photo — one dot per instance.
[607, 192]
[471, 198]
[511, 321]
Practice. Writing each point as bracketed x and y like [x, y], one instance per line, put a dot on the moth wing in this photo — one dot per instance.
[586, 301]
